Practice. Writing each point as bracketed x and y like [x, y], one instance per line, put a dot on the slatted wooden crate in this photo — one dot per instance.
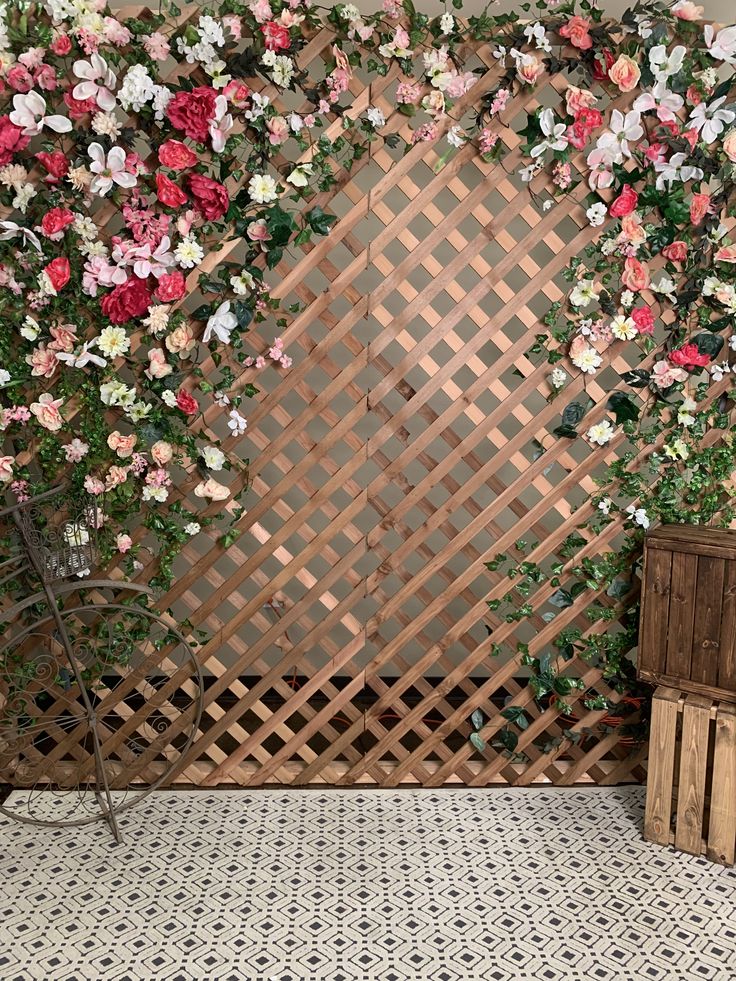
[691, 787]
[688, 617]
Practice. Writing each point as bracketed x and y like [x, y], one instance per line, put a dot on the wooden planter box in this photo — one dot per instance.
[691, 784]
[687, 637]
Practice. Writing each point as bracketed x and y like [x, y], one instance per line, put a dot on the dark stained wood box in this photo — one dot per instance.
[687, 636]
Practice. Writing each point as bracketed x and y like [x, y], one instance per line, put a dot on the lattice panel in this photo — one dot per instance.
[346, 627]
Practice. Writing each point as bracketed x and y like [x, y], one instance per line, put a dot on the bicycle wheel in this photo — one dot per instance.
[143, 686]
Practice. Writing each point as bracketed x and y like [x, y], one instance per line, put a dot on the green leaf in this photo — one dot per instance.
[710, 344]
[623, 407]
[477, 719]
[319, 221]
[561, 598]
[508, 739]
[477, 742]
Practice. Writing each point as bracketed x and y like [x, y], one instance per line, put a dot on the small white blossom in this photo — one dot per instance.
[262, 188]
[375, 117]
[638, 516]
[189, 253]
[596, 214]
[623, 328]
[600, 433]
[558, 377]
[236, 423]
[193, 528]
[627, 299]
[587, 360]
[605, 504]
[583, 293]
[447, 23]
[214, 458]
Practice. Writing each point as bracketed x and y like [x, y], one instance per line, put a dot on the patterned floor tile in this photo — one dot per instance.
[354, 885]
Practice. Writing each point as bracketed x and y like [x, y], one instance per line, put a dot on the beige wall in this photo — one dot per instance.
[718, 10]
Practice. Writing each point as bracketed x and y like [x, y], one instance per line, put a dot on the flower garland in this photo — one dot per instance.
[170, 126]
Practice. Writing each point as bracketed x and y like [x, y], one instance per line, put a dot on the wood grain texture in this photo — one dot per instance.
[722, 823]
[660, 776]
[691, 785]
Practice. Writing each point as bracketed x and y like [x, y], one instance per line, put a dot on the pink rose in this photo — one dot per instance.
[688, 356]
[676, 251]
[191, 112]
[46, 411]
[168, 192]
[275, 36]
[61, 45]
[12, 140]
[257, 231]
[78, 108]
[159, 367]
[43, 362]
[181, 341]
[278, 129]
[55, 221]
[124, 543]
[93, 485]
[128, 300]
[6, 468]
[729, 145]
[625, 73]
[20, 79]
[727, 253]
[644, 320]
[577, 99]
[699, 208]
[162, 452]
[210, 488]
[176, 155]
[625, 203]
[122, 445]
[56, 165]
[686, 10]
[45, 78]
[187, 402]
[237, 93]
[171, 286]
[210, 197]
[635, 275]
[665, 374]
[528, 68]
[576, 30]
[58, 272]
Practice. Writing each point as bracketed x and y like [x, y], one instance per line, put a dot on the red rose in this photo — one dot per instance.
[168, 192]
[79, 107]
[688, 356]
[171, 286]
[625, 203]
[601, 64]
[58, 272]
[676, 252]
[130, 299]
[192, 111]
[176, 155]
[644, 320]
[210, 197]
[55, 163]
[275, 36]
[55, 221]
[62, 45]
[12, 140]
[187, 403]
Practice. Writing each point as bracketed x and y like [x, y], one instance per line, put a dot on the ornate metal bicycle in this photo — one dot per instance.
[100, 696]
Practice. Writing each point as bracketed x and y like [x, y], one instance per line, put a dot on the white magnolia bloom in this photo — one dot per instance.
[109, 169]
[710, 120]
[299, 177]
[664, 285]
[536, 34]
[243, 283]
[214, 458]
[638, 516]
[237, 424]
[83, 357]
[554, 133]
[622, 128]
[188, 253]
[12, 228]
[30, 328]
[447, 23]
[664, 64]
[623, 328]
[583, 293]
[601, 433]
[113, 341]
[262, 188]
[675, 169]
[722, 45]
[375, 117]
[685, 411]
[29, 113]
[98, 81]
[660, 100]
[221, 324]
[596, 214]
[587, 360]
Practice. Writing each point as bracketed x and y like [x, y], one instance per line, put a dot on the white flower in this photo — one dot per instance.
[675, 169]
[222, 323]
[282, 71]
[299, 177]
[243, 283]
[447, 23]
[193, 528]
[98, 80]
[627, 299]
[596, 213]
[262, 188]
[663, 64]
[528, 173]
[717, 371]
[4, 376]
[221, 124]
[137, 89]
[23, 198]
[732, 342]
[30, 329]
[605, 504]
[554, 133]
[660, 99]
[109, 169]
[139, 411]
[583, 293]
[587, 360]
[222, 399]
[723, 45]
[29, 112]
[623, 328]
[685, 411]
[159, 494]
[664, 285]
[548, 204]
[601, 433]
[168, 398]
[710, 120]
[106, 124]
[456, 137]
[350, 12]
[258, 105]
[83, 357]
[621, 130]
[558, 377]
[189, 253]
[117, 393]
[213, 457]
[375, 117]
[236, 423]
[677, 449]
[535, 33]
[113, 341]
[638, 516]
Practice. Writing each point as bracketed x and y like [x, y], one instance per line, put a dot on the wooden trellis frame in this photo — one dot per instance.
[347, 637]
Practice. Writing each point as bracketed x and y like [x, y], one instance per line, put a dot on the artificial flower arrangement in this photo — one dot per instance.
[132, 150]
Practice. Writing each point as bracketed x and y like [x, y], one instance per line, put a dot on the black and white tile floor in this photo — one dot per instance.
[360, 885]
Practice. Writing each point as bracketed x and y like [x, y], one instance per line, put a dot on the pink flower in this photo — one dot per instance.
[171, 286]
[61, 45]
[55, 221]
[176, 155]
[625, 73]
[46, 411]
[625, 203]
[644, 320]
[276, 37]
[58, 272]
[192, 112]
[676, 251]
[688, 356]
[237, 93]
[56, 164]
[75, 450]
[6, 468]
[45, 78]
[20, 79]
[635, 275]
[93, 485]
[186, 402]
[577, 99]
[257, 231]
[408, 93]
[210, 197]
[665, 374]
[123, 542]
[699, 208]
[130, 299]
[122, 445]
[12, 140]
[156, 46]
[162, 452]
[727, 253]
[43, 362]
[169, 193]
[576, 30]
[212, 489]
[158, 367]
[115, 477]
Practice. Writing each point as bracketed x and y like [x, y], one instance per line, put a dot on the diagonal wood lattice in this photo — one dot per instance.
[346, 627]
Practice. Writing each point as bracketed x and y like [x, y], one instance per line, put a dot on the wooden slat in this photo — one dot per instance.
[722, 822]
[655, 603]
[707, 621]
[691, 785]
[662, 742]
[681, 614]
[727, 666]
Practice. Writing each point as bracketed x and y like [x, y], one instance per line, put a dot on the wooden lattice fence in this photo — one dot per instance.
[346, 628]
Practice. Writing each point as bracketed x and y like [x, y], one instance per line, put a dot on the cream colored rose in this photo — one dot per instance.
[625, 73]
[210, 488]
[162, 452]
[729, 145]
[6, 468]
[122, 445]
[46, 410]
[181, 341]
[159, 367]
[528, 68]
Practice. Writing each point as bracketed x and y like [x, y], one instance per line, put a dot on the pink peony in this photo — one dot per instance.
[191, 112]
[128, 300]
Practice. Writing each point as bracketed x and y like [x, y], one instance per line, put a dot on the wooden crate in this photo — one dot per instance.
[691, 786]
[688, 616]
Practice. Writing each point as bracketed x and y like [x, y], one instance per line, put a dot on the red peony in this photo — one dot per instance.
[130, 299]
[191, 112]
[625, 203]
[12, 140]
[644, 320]
[55, 163]
[210, 197]
[56, 221]
[169, 193]
[176, 155]
[276, 36]
[171, 286]
[676, 252]
[187, 403]
[58, 272]
[688, 356]
[601, 64]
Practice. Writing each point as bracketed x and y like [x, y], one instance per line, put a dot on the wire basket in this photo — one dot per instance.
[59, 533]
